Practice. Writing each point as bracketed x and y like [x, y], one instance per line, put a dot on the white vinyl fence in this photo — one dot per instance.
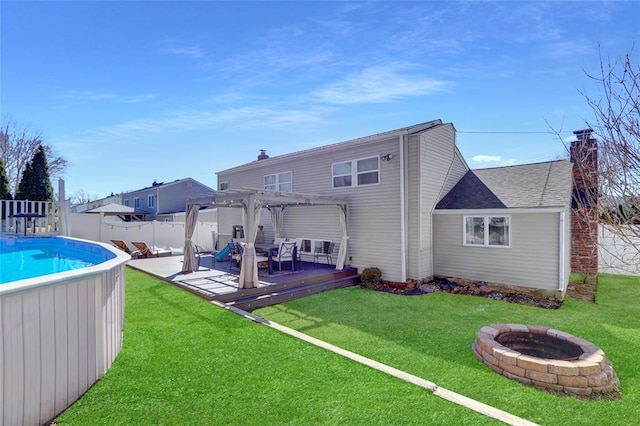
[619, 255]
[12, 222]
[170, 235]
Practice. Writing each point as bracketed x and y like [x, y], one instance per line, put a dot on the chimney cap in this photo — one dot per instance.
[263, 155]
[583, 134]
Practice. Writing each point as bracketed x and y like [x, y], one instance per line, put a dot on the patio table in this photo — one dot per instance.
[27, 217]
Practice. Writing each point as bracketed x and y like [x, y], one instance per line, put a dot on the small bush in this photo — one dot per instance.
[370, 277]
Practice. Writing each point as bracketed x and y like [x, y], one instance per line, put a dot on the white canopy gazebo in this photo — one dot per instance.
[252, 201]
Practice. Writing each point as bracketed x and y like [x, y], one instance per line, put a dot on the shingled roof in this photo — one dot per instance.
[524, 186]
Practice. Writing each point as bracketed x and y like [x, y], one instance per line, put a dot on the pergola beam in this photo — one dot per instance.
[238, 198]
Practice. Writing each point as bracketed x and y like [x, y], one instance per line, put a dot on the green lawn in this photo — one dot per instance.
[185, 361]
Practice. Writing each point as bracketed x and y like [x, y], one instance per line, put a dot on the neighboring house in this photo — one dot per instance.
[90, 205]
[165, 198]
[415, 209]
[123, 213]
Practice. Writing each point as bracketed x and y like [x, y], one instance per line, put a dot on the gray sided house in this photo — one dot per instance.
[412, 202]
[507, 225]
[165, 198]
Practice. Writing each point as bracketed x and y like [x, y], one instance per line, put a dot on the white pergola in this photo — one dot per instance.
[252, 200]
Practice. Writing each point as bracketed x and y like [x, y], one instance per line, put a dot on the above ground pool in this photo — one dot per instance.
[61, 322]
[22, 258]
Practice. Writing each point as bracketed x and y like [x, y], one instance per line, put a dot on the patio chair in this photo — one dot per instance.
[236, 255]
[285, 254]
[320, 252]
[147, 251]
[125, 248]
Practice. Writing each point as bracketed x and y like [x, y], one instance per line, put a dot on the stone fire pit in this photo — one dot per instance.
[547, 359]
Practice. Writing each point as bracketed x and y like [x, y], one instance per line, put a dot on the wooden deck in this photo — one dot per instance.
[219, 282]
[292, 288]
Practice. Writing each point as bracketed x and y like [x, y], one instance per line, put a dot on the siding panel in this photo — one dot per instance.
[13, 379]
[72, 333]
[435, 157]
[48, 363]
[31, 323]
[531, 261]
[374, 210]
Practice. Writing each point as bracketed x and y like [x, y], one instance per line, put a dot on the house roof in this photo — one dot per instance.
[164, 185]
[409, 130]
[113, 208]
[524, 186]
[123, 212]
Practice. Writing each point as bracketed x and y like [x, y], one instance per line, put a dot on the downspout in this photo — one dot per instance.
[157, 207]
[562, 251]
[403, 225]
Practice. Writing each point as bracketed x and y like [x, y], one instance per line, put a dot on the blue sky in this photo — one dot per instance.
[129, 92]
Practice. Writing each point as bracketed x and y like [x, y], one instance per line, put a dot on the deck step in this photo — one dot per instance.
[249, 302]
[254, 292]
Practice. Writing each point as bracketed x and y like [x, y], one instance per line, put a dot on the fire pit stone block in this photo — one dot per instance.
[588, 374]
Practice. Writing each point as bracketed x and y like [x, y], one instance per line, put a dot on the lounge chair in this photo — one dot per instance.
[125, 248]
[147, 251]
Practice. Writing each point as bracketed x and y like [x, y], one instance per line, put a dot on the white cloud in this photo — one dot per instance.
[193, 52]
[87, 96]
[381, 83]
[483, 158]
[186, 120]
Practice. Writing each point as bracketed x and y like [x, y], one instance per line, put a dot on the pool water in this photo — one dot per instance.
[22, 258]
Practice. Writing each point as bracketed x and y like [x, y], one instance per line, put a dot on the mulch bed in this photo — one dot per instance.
[479, 289]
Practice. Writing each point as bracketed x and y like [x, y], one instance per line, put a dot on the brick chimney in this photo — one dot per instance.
[584, 208]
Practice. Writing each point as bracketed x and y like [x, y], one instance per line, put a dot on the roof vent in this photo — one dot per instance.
[263, 155]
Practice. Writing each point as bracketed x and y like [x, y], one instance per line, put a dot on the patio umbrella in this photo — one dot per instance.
[190, 262]
[27, 217]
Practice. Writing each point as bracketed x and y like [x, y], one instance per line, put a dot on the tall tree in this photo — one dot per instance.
[35, 183]
[616, 109]
[5, 189]
[25, 187]
[18, 144]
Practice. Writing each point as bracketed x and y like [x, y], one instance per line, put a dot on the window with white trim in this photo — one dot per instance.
[136, 203]
[151, 201]
[279, 182]
[493, 231]
[361, 172]
[223, 186]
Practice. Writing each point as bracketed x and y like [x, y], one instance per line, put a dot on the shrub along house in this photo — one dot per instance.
[415, 210]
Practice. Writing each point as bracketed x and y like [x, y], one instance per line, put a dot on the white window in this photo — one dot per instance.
[224, 186]
[136, 203]
[151, 201]
[487, 231]
[356, 172]
[126, 202]
[310, 246]
[279, 182]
